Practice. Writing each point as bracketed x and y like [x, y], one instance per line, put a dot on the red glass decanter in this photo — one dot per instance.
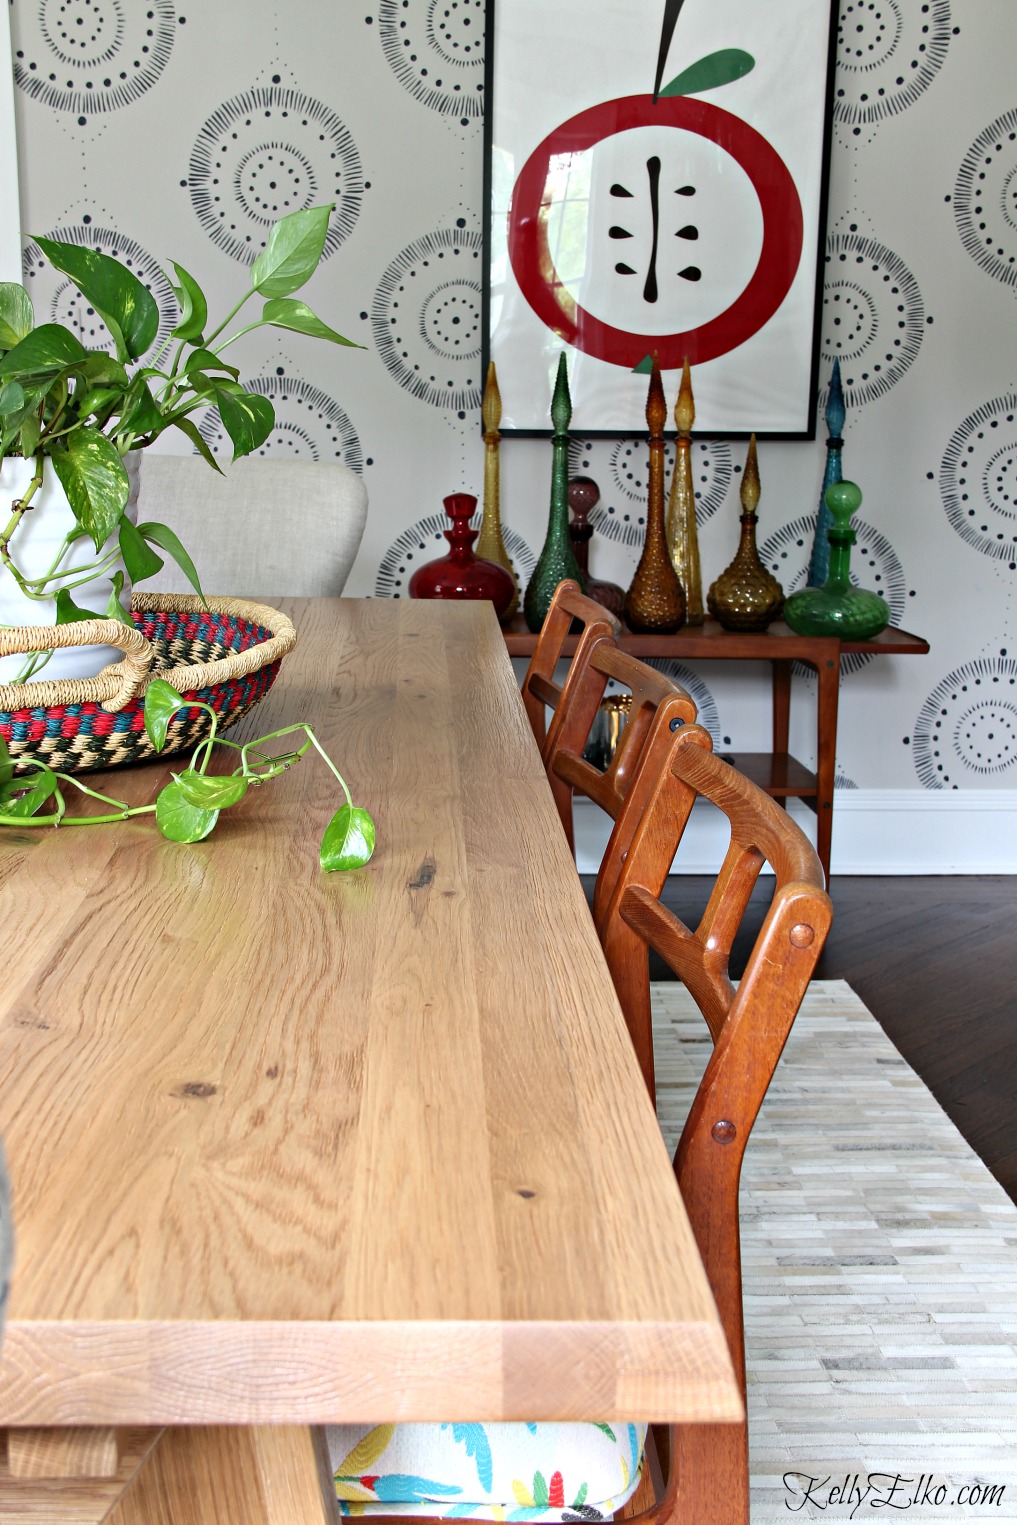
[461, 574]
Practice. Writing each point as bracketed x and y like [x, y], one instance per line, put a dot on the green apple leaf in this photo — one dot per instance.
[348, 841]
[93, 477]
[161, 703]
[216, 791]
[716, 69]
[193, 307]
[288, 312]
[16, 315]
[126, 306]
[292, 253]
[178, 820]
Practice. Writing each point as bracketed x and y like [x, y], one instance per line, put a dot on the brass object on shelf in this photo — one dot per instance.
[682, 536]
[490, 544]
[746, 596]
[655, 600]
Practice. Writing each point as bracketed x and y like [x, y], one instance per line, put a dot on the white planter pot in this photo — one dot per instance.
[34, 547]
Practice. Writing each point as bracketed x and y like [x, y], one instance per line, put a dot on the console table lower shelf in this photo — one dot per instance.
[780, 774]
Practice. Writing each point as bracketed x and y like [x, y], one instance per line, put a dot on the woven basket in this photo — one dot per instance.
[224, 652]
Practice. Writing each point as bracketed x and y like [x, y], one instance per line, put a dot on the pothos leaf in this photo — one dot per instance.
[193, 307]
[114, 608]
[348, 841]
[162, 536]
[68, 612]
[178, 820]
[161, 703]
[6, 766]
[139, 558]
[32, 793]
[211, 791]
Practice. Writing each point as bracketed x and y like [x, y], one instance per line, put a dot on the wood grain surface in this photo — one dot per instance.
[289, 1147]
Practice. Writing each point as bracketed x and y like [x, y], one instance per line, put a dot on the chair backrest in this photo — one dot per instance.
[570, 611]
[748, 1024]
[265, 528]
[657, 707]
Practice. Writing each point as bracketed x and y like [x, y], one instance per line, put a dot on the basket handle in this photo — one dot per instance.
[117, 684]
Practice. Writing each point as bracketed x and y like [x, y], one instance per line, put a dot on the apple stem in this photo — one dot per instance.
[671, 10]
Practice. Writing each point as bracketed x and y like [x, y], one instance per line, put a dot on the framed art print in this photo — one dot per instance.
[655, 183]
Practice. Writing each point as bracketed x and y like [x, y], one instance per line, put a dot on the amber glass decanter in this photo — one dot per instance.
[490, 544]
[557, 558]
[682, 535]
[655, 600]
[838, 607]
[461, 574]
[746, 596]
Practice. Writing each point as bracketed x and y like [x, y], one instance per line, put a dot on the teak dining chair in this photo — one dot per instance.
[657, 707]
[749, 1026]
[569, 608]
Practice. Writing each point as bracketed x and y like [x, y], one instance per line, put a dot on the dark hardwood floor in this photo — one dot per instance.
[935, 961]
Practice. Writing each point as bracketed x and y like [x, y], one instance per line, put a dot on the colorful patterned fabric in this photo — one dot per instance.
[540, 1472]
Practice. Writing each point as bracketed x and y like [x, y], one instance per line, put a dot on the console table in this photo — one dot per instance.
[777, 772]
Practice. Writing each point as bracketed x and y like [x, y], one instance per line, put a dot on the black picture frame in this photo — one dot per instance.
[586, 177]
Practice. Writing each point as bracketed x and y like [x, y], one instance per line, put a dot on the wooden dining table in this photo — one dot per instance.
[289, 1148]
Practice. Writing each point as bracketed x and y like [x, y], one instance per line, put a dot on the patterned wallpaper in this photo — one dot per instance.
[162, 130]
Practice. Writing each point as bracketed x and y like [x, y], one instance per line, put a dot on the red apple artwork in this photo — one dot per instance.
[664, 221]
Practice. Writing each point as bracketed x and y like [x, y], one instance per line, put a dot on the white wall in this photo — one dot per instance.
[177, 136]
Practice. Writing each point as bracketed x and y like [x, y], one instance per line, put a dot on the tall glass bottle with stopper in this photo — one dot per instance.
[584, 495]
[682, 538]
[655, 600]
[819, 562]
[557, 559]
[490, 544]
[746, 596]
[838, 607]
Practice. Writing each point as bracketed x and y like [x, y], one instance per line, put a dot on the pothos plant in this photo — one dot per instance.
[188, 807]
[79, 411]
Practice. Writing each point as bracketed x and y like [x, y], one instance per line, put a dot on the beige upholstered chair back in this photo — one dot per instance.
[264, 529]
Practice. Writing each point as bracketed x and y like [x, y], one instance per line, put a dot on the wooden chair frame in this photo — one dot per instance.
[659, 706]
[749, 1027]
[569, 605]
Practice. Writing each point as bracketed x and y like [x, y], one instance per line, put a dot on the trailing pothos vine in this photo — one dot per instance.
[188, 807]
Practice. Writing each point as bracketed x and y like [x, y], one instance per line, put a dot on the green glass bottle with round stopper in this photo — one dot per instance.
[838, 607]
[557, 559]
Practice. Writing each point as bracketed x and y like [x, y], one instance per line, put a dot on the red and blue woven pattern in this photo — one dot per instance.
[77, 737]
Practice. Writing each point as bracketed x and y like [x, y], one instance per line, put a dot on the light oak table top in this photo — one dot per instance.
[288, 1147]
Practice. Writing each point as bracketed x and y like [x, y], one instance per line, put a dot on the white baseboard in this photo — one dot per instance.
[875, 831]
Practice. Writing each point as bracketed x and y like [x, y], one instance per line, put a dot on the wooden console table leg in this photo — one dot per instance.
[781, 710]
[828, 668]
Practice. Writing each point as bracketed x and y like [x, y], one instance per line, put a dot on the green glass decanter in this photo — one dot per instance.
[557, 559]
[838, 607]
